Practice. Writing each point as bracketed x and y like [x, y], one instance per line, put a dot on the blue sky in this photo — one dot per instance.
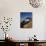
[25, 14]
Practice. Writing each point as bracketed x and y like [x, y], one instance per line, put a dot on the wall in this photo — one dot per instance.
[12, 8]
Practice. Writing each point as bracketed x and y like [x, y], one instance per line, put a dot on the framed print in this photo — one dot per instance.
[25, 19]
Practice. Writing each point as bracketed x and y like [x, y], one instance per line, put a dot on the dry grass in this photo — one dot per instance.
[28, 25]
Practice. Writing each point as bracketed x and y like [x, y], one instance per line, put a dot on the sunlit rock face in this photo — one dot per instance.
[35, 3]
